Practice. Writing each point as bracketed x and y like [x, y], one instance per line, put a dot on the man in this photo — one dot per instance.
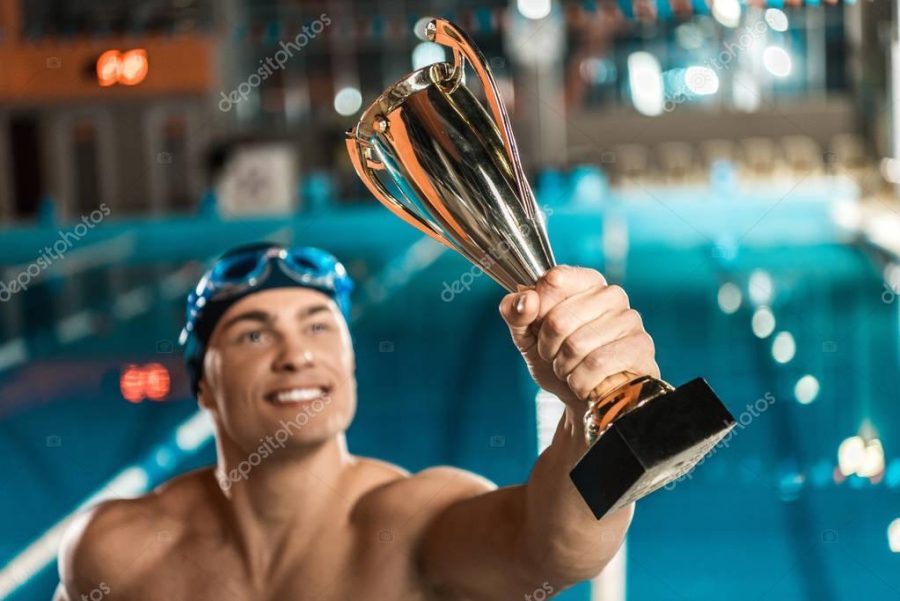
[268, 347]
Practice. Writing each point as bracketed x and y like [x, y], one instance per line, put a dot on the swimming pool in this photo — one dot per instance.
[767, 517]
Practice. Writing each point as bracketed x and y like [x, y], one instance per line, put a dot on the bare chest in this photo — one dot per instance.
[379, 567]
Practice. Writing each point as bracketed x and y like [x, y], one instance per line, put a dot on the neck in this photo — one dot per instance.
[281, 502]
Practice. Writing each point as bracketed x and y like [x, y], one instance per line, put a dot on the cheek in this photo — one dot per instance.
[348, 359]
[345, 364]
[230, 371]
[341, 361]
[346, 353]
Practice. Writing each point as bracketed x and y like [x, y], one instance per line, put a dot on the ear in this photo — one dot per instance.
[204, 395]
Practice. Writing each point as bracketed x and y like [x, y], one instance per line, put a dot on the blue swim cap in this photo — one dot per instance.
[252, 268]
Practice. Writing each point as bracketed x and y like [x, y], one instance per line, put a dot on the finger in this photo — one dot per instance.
[602, 331]
[593, 306]
[564, 281]
[632, 353]
[520, 310]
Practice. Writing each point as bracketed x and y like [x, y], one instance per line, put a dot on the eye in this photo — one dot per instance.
[252, 336]
[319, 326]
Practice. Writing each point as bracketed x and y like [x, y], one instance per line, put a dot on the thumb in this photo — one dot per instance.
[519, 310]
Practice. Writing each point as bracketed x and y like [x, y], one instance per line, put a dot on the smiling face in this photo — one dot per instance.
[274, 357]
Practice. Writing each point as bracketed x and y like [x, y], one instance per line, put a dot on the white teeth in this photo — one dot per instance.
[297, 395]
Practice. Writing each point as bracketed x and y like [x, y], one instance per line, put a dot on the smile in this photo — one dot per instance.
[296, 395]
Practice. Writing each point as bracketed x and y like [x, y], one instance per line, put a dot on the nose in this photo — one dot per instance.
[293, 358]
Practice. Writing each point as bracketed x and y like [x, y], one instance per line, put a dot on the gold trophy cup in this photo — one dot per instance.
[429, 151]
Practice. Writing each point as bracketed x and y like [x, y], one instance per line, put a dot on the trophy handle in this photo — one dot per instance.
[365, 170]
[445, 33]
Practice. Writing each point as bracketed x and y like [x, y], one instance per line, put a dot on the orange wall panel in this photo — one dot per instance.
[54, 70]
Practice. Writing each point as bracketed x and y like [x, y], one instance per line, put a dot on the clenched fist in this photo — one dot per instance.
[576, 333]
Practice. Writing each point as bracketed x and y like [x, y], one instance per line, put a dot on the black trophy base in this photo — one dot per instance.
[651, 446]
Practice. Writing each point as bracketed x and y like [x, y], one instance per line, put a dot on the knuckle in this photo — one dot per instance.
[633, 319]
[543, 349]
[575, 383]
[557, 275]
[644, 343]
[560, 367]
[601, 279]
[618, 294]
[595, 359]
[540, 341]
[572, 347]
[555, 323]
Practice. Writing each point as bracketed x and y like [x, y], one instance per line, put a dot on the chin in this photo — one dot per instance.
[309, 423]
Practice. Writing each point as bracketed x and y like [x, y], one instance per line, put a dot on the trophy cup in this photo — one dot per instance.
[429, 151]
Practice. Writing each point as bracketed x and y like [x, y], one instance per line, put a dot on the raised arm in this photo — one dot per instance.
[574, 332]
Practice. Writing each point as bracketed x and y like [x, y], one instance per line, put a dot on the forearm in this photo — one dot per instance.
[564, 539]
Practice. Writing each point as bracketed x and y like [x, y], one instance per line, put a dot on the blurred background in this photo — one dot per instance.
[734, 164]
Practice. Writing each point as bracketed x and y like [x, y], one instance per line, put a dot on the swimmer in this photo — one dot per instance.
[288, 513]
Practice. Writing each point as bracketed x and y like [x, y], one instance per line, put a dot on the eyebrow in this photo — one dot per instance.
[267, 318]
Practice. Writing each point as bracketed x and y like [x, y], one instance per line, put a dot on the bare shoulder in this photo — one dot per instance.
[378, 472]
[421, 495]
[103, 544]
[113, 543]
[451, 482]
